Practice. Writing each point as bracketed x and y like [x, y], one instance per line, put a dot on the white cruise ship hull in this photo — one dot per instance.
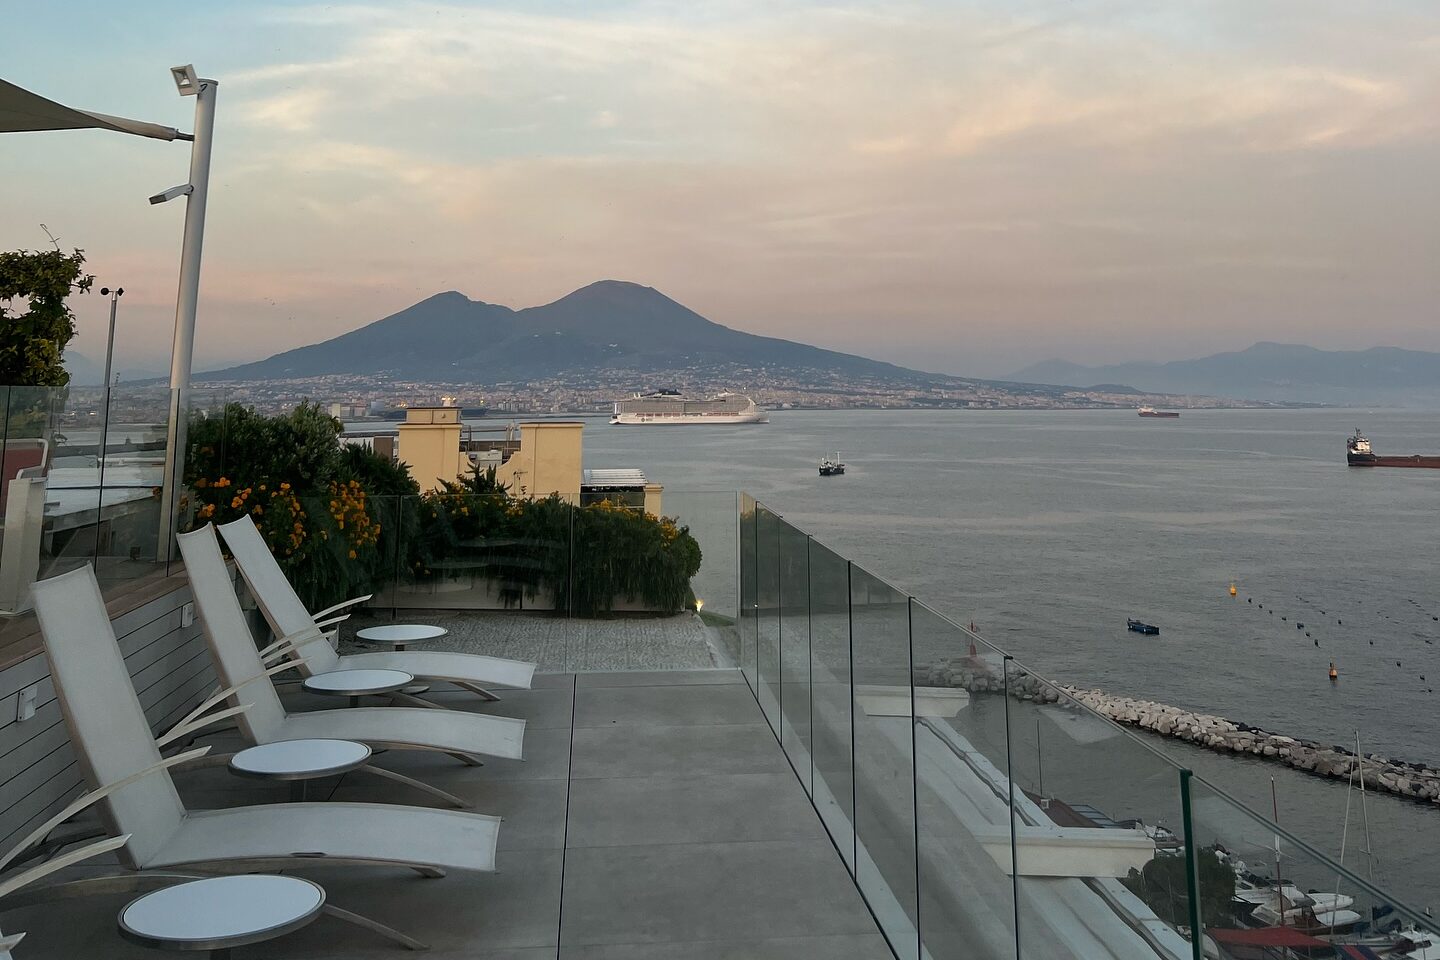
[757, 416]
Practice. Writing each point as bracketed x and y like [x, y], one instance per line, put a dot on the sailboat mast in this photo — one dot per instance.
[1364, 814]
[1279, 880]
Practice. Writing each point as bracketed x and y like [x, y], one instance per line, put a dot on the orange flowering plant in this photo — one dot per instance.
[305, 491]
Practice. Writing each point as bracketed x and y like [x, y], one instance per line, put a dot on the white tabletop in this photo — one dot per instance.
[293, 759]
[400, 633]
[221, 911]
[349, 683]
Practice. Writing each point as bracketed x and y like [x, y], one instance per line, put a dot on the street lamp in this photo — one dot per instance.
[23, 111]
[114, 296]
[187, 84]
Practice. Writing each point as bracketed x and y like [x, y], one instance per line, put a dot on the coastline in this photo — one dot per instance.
[1413, 781]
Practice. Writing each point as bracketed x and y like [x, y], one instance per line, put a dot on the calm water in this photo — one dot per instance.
[1048, 529]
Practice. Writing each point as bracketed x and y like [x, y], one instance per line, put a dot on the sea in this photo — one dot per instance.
[1048, 529]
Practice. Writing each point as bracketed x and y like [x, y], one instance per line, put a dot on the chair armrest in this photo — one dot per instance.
[321, 614]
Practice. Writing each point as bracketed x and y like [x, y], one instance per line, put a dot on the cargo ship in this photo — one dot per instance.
[1359, 454]
[669, 406]
[1163, 414]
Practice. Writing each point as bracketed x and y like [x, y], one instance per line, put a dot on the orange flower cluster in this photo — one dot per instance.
[348, 507]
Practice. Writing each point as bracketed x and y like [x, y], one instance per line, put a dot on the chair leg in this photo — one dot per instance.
[374, 926]
[470, 760]
[449, 798]
[476, 689]
[399, 696]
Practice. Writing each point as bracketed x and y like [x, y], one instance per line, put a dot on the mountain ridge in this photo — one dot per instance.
[1270, 371]
[606, 325]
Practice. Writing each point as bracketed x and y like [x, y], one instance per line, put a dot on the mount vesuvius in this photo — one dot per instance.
[609, 326]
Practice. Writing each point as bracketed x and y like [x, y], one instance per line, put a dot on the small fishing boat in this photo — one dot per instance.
[1139, 626]
[831, 466]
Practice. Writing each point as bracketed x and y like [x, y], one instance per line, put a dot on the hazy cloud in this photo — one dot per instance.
[958, 186]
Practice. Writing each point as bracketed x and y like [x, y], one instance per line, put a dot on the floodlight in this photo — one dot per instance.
[184, 190]
[185, 80]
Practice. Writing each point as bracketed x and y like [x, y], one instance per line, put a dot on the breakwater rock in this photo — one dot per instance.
[979, 675]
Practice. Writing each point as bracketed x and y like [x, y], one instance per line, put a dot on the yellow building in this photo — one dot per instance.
[429, 444]
[546, 461]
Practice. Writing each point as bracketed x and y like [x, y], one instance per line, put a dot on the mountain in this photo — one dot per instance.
[1271, 372]
[608, 326]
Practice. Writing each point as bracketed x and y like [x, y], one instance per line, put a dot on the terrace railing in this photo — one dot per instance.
[983, 812]
[82, 470]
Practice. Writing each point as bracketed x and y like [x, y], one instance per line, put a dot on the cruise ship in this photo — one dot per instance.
[669, 406]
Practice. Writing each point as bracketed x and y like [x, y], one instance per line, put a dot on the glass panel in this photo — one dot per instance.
[1241, 854]
[794, 607]
[709, 518]
[884, 758]
[967, 896]
[130, 440]
[48, 495]
[1099, 831]
[833, 784]
[474, 552]
[748, 620]
[767, 612]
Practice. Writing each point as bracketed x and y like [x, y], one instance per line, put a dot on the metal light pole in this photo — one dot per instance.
[182, 353]
[114, 296]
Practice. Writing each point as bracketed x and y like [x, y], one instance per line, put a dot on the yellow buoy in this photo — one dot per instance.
[1334, 674]
[1233, 591]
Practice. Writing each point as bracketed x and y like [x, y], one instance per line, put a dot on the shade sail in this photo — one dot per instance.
[21, 110]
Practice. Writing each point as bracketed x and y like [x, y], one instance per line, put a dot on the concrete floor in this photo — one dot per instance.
[564, 644]
[654, 816]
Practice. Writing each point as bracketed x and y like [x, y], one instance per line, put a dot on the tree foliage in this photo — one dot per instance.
[33, 342]
[1162, 885]
[342, 520]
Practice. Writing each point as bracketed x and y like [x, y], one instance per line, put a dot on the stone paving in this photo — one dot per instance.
[557, 643]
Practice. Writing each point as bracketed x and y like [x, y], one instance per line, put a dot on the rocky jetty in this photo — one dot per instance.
[979, 675]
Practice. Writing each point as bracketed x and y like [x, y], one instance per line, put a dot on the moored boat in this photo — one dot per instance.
[1158, 414]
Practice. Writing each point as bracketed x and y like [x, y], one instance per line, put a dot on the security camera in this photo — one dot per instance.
[185, 80]
[184, 190]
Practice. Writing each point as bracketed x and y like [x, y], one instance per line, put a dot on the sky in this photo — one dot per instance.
[963, 186]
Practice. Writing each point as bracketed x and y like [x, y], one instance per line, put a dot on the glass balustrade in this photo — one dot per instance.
[985, 812]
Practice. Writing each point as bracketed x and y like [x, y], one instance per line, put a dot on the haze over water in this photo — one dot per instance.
[1049, 529]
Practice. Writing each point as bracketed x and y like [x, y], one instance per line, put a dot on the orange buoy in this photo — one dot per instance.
[1233, 591]
[1334, 674]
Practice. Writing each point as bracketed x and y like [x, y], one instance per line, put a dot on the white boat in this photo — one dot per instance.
[1314, 912]
[669, 406]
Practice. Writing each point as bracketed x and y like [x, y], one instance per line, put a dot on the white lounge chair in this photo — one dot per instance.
[290, 620]
[114, 743]
[238, 664]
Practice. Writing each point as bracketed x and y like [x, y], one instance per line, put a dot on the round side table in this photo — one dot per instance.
[219, 913]
[299, 761]
[400, 635]
[357, 683]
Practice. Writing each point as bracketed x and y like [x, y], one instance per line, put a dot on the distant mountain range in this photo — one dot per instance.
[610, 325]
[1271, 372]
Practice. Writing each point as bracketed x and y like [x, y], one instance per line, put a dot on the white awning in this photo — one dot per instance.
[623, 478]
[21, 110]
